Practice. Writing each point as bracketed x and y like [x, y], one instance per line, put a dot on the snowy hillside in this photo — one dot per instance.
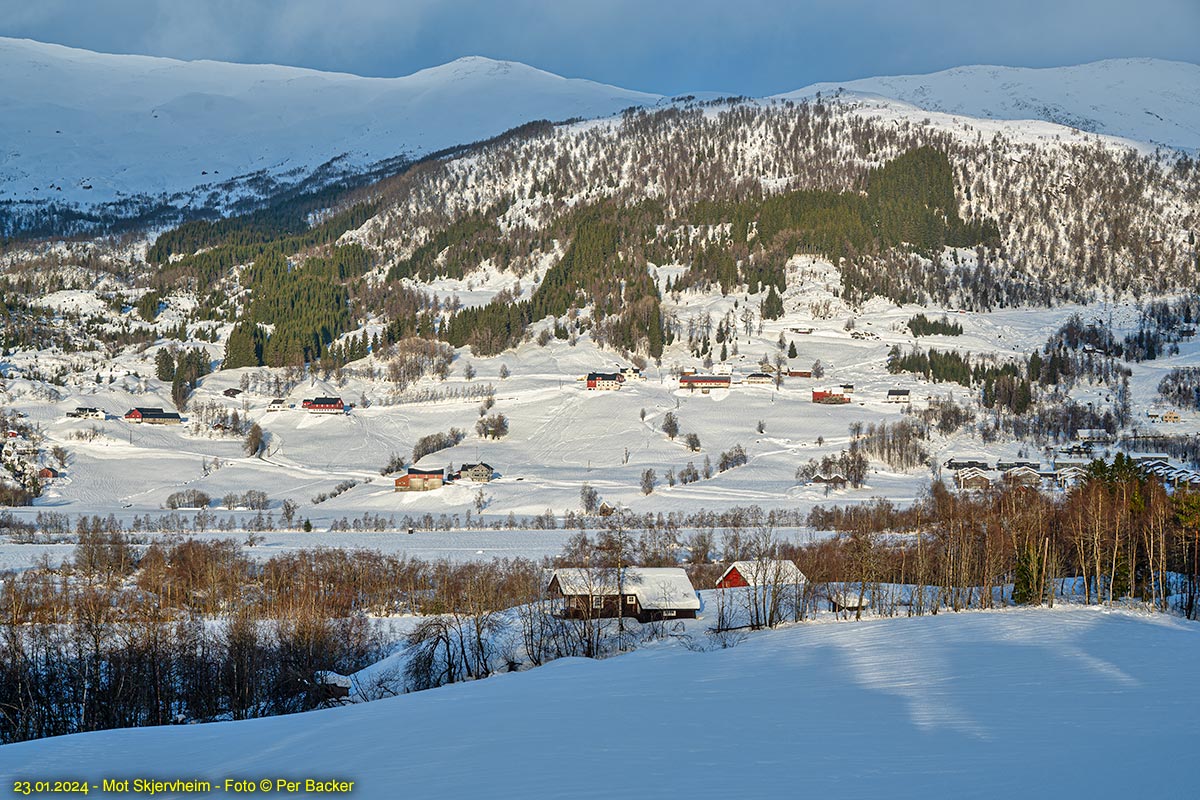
[955, 705]
[88, 128]
[91, 128]
[1145, 100]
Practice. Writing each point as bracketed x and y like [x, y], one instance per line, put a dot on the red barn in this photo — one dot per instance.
[829, 397]
[48, 473]
[420, 480]
[779, 572]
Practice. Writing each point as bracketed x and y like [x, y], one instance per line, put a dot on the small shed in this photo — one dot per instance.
[771, 572]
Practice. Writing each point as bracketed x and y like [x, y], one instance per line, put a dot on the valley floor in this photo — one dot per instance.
[1038, 703]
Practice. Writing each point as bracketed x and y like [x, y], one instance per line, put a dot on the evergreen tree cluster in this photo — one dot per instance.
[242, 240]
[1004, 385]
[308, 307]
[921, 325]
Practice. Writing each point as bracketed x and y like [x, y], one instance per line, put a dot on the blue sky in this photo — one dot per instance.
[749, 47]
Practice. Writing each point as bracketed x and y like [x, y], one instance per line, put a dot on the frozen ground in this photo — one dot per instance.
[1065, 703]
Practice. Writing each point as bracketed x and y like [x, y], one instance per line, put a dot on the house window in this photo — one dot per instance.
[670, 612]
[597, 601]
[631, 599]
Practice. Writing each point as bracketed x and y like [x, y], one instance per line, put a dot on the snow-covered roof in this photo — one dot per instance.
[767, 572]
[655, 587]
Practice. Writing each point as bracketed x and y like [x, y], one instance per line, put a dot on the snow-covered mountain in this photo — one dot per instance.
[1146, 100]
[91, 128]
[86, 129]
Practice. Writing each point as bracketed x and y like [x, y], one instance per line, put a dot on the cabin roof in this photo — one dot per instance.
[656, 588]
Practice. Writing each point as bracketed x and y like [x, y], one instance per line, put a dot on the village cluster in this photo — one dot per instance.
[722, 377]
[1065, 467]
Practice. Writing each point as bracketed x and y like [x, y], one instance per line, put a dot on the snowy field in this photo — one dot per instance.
[560, 435]
[1066, 703]
[457, 546]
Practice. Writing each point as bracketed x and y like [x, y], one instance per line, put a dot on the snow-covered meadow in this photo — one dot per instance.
[1063, 702]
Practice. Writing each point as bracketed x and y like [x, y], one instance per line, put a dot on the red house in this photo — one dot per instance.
[604, 381]
[48, 473]
[324, 405]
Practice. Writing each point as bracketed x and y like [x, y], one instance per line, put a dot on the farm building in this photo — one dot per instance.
[835, 479]
[849, 600]
[1171, 416]
[1023, 476]
[479, 473]
[800, 373]
[86, 412]
[644, 593]
[231, 392]
[1068, 476]
[971, 479]
[48, 473]
[420, 480]
[604, 381]
[966, 463]
[152, 416]
[324, 405]
[760, 573]
[278, 404]
[1098, 435]
[898, 396]
[632, 374]
[759, 377]
[1004, 466]
[704, 382]
[829, 397]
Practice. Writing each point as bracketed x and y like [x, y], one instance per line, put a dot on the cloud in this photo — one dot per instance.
[669, 46]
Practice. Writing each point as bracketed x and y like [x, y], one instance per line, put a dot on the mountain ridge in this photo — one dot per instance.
[119, 134]
[1167, 114]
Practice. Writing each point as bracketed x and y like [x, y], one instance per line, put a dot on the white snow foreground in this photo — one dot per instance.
[1075, 702]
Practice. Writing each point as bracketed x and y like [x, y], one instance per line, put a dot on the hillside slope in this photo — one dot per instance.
[963, 705]
[1146, 100]
[91, 128]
